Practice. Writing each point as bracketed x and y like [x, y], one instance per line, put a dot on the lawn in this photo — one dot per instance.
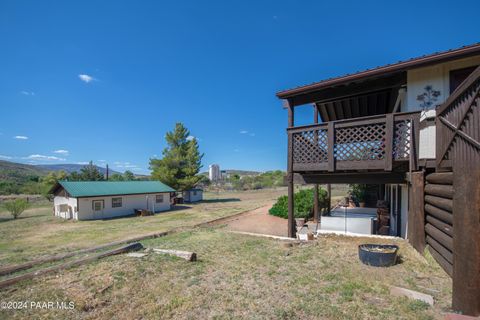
[239, 276]
[37, 232]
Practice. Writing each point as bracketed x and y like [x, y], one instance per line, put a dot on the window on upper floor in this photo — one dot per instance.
[458, 76]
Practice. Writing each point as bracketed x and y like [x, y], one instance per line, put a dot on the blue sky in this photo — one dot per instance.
[104, 80]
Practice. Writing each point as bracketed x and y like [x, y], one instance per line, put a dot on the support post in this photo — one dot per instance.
[329, 201]
[466, 239]
[316, 214]
[416, 212]
[291, 191]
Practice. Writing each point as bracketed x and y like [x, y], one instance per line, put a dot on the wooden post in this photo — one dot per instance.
[316, 214]
[416, 213]
[329, 201]
[291, 191]
[331, 142]
[466, 240]
[315, 205]
[389, 137]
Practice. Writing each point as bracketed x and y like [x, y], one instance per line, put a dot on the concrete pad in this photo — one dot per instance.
[402, 292]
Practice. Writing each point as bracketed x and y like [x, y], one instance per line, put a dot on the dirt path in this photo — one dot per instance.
[258, 221]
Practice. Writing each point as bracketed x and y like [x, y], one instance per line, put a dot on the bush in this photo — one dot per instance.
[16, 207]
[303, 204]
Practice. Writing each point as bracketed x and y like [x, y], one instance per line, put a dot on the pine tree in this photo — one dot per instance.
[181, 161]
[90, 173]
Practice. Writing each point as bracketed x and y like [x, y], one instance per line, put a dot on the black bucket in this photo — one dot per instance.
[378, 255]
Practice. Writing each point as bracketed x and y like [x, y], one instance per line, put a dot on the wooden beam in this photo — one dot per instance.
[440, 178]
[315, 204]
[438, 213]
[291, 217]
[331, 144]
[389, 133]
[364, 177]
[444, 191]
[416, 213]
[466, 242]
[440, 236]
[442, 203]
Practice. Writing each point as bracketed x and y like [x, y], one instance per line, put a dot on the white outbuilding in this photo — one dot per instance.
[90, 200]
[192, 195]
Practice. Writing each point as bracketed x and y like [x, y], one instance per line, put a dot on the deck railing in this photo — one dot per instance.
[370, 143]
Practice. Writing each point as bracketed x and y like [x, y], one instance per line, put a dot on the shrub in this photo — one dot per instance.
[303, 204]
[16, 207]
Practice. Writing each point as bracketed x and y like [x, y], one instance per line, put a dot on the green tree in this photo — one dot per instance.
[128, 176]
[181, 161]
[116, 177]
[16, 207]
[87, 173]
[50, 180]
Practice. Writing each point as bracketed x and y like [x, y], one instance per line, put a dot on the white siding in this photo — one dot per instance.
[438, 76]
[189, 195]
[71, 213]
[129, 204]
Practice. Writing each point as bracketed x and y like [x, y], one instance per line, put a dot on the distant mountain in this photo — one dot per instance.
[69, 168]
[19, 171]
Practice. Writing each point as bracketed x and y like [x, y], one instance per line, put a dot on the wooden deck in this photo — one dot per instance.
[380, 142]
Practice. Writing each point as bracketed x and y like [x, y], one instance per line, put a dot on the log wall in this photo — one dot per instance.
[439, 218]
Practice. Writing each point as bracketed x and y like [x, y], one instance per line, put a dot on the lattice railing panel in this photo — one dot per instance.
[310, 146]
[360, 143]
[402, 139]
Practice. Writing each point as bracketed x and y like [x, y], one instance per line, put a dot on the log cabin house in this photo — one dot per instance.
[412, 129]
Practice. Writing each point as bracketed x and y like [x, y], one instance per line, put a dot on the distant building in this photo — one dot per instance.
[223, 175]
[214, 172]
[192, 195]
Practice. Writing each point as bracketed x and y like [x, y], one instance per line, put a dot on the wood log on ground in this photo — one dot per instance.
[189, 256]
[442, 203]
[440, 214]
[441, 190]
[34, 274]
[440, 178]
[27, 265]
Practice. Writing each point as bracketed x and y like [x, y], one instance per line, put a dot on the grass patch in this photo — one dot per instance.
[238, 276]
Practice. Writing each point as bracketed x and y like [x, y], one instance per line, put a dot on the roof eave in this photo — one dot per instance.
[385, 70]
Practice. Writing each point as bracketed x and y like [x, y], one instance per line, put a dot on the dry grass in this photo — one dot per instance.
[239, 276]
[37, 232]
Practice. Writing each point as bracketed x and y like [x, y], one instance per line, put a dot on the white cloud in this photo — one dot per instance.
[190, 138]
[27, 93]
[243, 131]
[83, 162]
[5, 157]
[21, 137]
[102, 160]
[86, 78]
[252, 134]
[40, 157]
[62, 152]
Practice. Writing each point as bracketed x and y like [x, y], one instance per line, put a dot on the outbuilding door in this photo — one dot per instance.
[98, 206]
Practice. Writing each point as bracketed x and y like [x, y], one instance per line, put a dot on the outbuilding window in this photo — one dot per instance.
[116, 202]
[194, 192]
[159, 198]
[97, 205]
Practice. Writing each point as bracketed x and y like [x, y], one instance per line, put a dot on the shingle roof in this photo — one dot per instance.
[436, 57]
[79, 189]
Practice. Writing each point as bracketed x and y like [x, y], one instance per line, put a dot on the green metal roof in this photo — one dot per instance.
[79, 189]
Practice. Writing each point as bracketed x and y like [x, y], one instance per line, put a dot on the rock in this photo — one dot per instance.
[402, 292]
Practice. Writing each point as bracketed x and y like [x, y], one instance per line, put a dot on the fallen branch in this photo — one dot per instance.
[33, 274]
[189, 256]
